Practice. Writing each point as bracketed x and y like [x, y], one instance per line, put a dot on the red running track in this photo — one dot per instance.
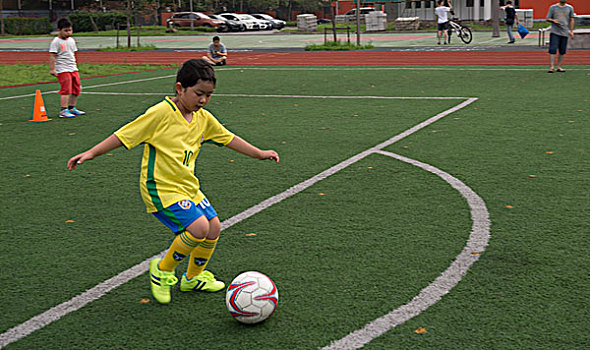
[573, 57]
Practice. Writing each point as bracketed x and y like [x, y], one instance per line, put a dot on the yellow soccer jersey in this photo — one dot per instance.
[171, 148]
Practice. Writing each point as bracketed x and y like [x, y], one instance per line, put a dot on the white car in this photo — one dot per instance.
[251, 24]
[262, 24]
[276, 23]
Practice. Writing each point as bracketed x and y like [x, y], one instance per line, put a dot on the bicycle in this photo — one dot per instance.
[463, 32]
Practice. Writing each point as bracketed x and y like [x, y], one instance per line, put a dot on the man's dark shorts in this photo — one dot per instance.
[557, 42]
[443, 26]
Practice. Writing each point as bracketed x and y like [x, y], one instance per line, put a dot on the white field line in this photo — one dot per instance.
[307, 69]
[92, 87]
[56, 312]
[290, 96]
[476, 244]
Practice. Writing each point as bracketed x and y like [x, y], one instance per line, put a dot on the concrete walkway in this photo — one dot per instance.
[265, 41]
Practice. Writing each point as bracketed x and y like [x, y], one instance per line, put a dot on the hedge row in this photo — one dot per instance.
[82, 22]
[27, 25]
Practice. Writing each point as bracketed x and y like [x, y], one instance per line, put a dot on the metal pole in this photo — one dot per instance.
[358, 22]
[128, 23]
[192, 22]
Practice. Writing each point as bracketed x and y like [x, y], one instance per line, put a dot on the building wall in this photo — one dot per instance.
[477, 12]
[541, 7]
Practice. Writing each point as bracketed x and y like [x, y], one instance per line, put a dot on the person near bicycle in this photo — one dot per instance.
[442, 13]
[511, 19]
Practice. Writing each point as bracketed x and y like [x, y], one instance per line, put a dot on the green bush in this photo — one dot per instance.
[27, 25]
[82, 23]
[337, 46]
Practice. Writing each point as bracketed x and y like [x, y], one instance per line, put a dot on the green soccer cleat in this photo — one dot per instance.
[160, 282]
[205, 282]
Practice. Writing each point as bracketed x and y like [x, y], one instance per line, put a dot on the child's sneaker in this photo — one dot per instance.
[76, 111]
[160, 282]
[65, 113]
[205, 282]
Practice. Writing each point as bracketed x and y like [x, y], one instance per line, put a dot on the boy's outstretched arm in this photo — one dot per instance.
[52, 64]
[108, 144]
[240, 145]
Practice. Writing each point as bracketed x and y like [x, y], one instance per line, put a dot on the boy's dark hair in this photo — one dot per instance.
[216, 38]
[508, 2]
[63, 23]
[194, 70]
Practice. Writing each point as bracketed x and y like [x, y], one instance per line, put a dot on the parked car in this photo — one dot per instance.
[276, 23]
[231, 25]
[250, 25]
[364, 11]
[262, 23]
[184, 19]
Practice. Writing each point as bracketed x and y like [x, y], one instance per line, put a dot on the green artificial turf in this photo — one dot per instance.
[18, 74]
[343, 252]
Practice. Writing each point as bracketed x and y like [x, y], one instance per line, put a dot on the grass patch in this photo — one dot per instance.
[378, 217]
[33, 73]
[337, 46]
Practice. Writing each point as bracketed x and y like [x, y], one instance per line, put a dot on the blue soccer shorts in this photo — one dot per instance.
[180, 215]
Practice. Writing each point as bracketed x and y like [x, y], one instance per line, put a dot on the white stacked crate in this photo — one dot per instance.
[407, 23]
[525, 17]
[376, 21]
[307, 23]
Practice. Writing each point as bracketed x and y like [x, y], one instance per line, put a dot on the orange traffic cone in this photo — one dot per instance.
[39, 113]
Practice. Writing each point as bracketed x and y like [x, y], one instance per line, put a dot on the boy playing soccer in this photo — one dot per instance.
[173, 132]
[62, 64]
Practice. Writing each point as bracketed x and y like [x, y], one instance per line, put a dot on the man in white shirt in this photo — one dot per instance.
[62, 64]
[442, 13]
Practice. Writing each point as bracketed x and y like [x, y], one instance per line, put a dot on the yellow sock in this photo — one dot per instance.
[200, 257]
[182, 245]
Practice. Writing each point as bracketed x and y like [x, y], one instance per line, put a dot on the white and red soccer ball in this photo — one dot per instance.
[251, 297]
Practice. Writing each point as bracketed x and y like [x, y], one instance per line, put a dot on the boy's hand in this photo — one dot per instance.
[79, 159]
[53, 72]
[272, 155]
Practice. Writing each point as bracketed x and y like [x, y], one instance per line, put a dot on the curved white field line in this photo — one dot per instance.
[98, 291]
[476, 244]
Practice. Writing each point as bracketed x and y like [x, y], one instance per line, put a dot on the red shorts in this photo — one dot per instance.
[70, 83]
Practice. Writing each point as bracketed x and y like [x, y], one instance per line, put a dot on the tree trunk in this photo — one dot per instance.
[495, 19]
[1, 17]
[358, 22]
[94, 26]
[334, 22]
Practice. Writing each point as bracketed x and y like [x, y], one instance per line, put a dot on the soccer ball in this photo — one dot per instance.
[251, 297]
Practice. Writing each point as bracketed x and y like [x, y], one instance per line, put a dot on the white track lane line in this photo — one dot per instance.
[57, 312]
[476, 244]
